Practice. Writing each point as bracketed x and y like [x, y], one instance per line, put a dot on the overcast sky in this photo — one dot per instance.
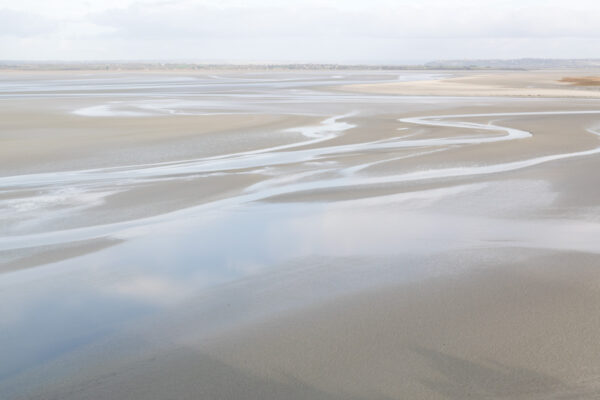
[344, 31]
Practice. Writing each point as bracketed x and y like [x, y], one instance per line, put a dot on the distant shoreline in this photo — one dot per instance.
[452, 65]
[222, 67]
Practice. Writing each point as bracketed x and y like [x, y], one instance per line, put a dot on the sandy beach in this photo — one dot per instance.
[543, 83]
[299, 235]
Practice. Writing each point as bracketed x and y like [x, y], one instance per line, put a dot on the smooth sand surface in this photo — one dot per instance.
[264, 236]
[56, 140]
[513, 84]
[522, 330]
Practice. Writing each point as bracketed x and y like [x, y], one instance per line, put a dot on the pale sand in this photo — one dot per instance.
[550, 135]
[54, 140]
[39, 136]
[495, 321]
[524, 330]
[13, 260]
[520, 330]
[498, 84]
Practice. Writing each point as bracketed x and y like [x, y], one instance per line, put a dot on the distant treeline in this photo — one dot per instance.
[516, 64]
[136, 66]
[520, 63]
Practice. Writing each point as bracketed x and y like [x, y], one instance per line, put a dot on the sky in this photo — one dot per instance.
[311, 31]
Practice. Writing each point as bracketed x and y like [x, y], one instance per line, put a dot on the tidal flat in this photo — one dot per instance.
[294, 235]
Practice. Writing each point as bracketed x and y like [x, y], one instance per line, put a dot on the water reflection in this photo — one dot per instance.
[197, 270]
[323, 249]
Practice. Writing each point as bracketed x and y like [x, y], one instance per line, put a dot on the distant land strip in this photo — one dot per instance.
[158, 66]
[511, 64]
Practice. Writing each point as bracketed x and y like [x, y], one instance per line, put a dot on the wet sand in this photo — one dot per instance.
[519, 330]
[268, 236]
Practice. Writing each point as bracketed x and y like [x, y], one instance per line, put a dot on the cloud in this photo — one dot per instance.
[298, 30]
[24, 24]
[152, 290]
[425, 19]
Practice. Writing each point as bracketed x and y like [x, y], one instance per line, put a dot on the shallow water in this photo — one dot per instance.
[266, 256]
